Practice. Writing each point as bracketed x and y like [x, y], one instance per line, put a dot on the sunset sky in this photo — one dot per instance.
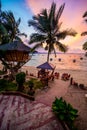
[71, 17]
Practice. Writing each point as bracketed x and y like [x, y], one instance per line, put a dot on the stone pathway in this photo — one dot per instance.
[18, 113]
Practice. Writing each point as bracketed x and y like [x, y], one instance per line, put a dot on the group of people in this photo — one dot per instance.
[65, 76]
[45, 76]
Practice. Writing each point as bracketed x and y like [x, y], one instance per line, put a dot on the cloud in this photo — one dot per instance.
[37, 6]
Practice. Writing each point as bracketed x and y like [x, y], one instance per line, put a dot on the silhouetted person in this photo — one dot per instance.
[71, 81]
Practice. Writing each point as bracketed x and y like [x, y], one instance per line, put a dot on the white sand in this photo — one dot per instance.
[79, 76]
[59, 88]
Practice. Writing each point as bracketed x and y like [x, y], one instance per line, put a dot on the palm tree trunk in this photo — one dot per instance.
[55, 52]
[48, 54]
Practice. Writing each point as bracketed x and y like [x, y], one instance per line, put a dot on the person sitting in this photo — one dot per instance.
[56, 75]
[65, 76]
[41, 73]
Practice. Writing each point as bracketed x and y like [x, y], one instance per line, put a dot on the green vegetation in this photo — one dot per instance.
[85, 33]
[35, 82]
[1, 72]
[9, 32]
[20, 79]
[20, 84]
[7, 85]
[65, 112]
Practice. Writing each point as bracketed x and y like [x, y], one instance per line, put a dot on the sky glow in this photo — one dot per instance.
[71, 17]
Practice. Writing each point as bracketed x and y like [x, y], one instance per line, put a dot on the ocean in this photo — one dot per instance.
[62, 61]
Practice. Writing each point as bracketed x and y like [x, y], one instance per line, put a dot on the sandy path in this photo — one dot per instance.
[57, 88]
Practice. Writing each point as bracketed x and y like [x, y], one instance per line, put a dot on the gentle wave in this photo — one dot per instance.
[62, 61]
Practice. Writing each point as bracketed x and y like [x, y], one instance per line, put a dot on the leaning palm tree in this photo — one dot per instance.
[85, 33]
[47, 26]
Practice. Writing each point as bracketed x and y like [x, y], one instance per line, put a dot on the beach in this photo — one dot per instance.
[59, 88]
[79, 76]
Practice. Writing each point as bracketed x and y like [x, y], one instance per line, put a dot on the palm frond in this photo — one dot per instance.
[3, 30]
[36, 26]
[36, 47]
[56, 30]
[63, 34]
[18, 21]
[11, 25]
[46, 47]
[51, 48]
[85, 14]
[85, 46]
[84, 33]
[18, 38]
[35, 37]
[52, 15]
[44, 13]
[52, 11]
[61, 47]
[22, 34]
[59, 13]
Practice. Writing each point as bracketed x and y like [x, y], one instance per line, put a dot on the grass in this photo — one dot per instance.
[6, 85]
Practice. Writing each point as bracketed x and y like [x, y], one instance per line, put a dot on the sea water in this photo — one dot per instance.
[61, 61]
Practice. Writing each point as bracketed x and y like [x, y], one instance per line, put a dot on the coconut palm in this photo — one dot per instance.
[85, 33]
[47, 28]
[9, 31]
[11, 25]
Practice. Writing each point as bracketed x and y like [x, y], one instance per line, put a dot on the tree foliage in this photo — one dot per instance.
[48, 30]
[84, 33]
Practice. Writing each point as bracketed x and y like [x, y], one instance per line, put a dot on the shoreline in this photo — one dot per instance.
[78, 75]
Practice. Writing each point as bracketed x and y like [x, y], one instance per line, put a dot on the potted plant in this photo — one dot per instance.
[20, 79]
[65, 112]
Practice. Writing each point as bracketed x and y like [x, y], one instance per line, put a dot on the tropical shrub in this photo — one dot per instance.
[11, 86]
[20, 79]
[7, 85]
[1, 72]
[30, 84]
[3, 84]
[65, 112]
[36, 83]
[31, 87]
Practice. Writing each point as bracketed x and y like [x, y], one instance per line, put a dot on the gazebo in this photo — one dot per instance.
[47, 66]
[14, 55]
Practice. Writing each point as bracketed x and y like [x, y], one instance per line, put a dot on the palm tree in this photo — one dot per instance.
[85, 33]
[47, 26]
[9, 31]
[11, 25]
[3, 31]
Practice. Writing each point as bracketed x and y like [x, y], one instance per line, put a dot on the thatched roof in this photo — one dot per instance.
[16, 46]
[46, 65]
